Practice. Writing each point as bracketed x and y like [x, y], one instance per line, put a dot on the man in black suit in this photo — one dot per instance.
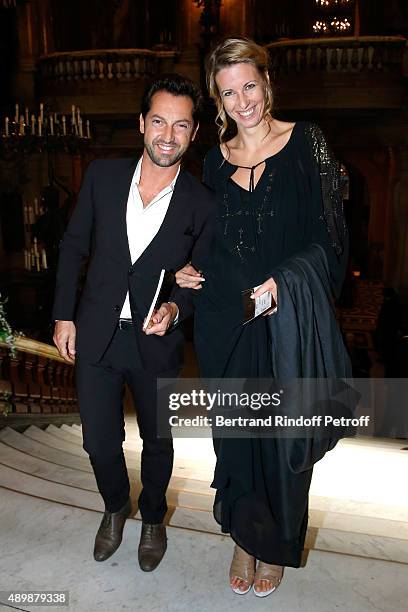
[132, 218]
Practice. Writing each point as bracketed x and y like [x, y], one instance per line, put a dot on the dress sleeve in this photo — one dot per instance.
[328, 169]
[329, 225]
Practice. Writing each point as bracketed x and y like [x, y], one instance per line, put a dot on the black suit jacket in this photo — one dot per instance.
[97, 232]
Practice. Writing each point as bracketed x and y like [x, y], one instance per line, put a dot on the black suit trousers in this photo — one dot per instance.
[100, 388]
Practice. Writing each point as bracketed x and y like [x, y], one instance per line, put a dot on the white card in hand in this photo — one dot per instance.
[263, 302]
[253, 308]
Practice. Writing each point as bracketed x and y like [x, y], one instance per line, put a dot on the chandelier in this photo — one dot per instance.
[340, 25]
[332, 4]
[334, 26]
[334, 17]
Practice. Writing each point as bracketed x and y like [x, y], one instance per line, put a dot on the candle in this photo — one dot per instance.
[81, 134]
[37, 262]
[44, 259]
[32, 259]
[78, 112]
[36, 210]
[64, 126]
[21, 126]
[30, 215]
[42, 112]
[16, 116]
[51, 125]
[6, 126]
[26, 221]
[88, 129]
[26, 116]
[32, 125]
[39, 126]
[73, 114]
[35, 246]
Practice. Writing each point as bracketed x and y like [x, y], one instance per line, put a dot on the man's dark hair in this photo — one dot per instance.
[177, 85]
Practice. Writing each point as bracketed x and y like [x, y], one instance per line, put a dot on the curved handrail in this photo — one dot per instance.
[34, 347]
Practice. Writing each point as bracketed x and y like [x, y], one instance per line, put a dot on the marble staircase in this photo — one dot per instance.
[358, 501]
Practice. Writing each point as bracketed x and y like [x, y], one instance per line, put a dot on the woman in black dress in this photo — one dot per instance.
[275, 183]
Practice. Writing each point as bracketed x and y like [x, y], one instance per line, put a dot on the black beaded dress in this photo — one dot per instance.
[256, 230]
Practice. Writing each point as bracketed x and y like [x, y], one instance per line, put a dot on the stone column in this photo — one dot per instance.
[46, 41]
[189, 40]
[237, 17]
[28, 52]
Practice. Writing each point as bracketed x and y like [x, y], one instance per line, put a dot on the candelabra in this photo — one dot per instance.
[26, 132]
[45, 132]
[34, 258]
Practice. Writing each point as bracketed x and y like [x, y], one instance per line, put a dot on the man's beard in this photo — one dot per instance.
[162, 160]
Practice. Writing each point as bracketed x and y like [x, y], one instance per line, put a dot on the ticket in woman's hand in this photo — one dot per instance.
[253, 308]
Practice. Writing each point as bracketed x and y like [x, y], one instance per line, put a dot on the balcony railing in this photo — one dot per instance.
[103, 65]
[345, 55]
[35, 380]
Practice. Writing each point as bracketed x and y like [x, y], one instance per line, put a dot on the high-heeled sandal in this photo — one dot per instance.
[243, 568]
[271, 573]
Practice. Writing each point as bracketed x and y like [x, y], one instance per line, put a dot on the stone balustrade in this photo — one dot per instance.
[345, 54]
[103, 65]
[35, 380]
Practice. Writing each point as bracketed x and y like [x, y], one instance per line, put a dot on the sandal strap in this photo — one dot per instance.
[242, 566]
[272, 573]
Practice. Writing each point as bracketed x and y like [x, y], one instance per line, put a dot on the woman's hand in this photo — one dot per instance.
[189, 278]
[268, 285]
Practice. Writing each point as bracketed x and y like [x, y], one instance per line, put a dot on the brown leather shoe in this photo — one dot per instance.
[152, 546]
[109, 534]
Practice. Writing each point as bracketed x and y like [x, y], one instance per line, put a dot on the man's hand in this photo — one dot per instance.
[189, 278]
[268, 285]
[64, 339]
[162, 319]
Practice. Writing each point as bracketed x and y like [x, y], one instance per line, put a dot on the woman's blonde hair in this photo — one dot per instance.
[231, 51]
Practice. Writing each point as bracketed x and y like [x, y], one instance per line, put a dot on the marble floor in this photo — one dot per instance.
[47, 545]
[357, 540]
[358, 504]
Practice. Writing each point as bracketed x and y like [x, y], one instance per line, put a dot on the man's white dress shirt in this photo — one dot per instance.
[143, 223]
